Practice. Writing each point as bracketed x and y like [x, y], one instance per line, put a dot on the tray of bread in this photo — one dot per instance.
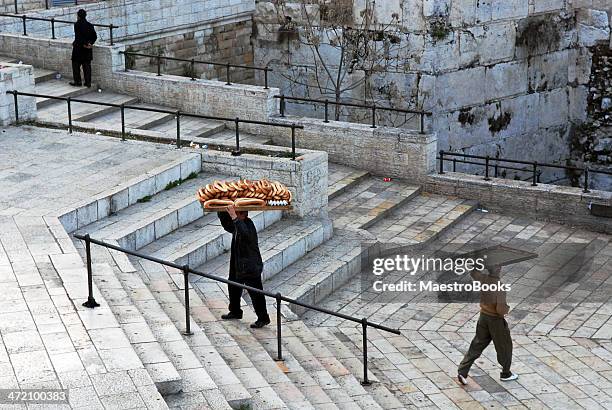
[245, 195]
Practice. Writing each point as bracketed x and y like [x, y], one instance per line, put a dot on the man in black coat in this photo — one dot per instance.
[245, 265]
[82, 49]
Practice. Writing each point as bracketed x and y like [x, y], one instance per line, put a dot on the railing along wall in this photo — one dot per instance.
[373, 108]
[178, 114]
[533, 167]
[279, 298]
[193, 62]
[52, 21]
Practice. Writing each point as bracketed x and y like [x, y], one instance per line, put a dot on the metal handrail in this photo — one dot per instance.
[91, 302]
[24, 18]
[193, 62]
[373, 107]
[237, 121]
[534, 166]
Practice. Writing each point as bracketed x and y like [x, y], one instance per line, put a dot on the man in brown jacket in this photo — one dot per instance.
[492, 326]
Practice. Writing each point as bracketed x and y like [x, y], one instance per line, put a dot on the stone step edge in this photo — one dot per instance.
[128, 193]
[163, 373]
[343, 188]
[42, 102]
[415, 191]
[125, 265]
[137, 133]
[163, 222]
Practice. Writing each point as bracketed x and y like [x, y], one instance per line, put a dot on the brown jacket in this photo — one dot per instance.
[491, 303]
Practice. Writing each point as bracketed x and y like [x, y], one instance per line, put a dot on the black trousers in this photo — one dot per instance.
[259, 300]
[489, 329]
[76, 71]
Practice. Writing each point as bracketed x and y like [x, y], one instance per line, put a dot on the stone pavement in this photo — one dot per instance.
[48, 340]
[562, 348]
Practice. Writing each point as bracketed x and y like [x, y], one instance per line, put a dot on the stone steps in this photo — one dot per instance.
[351, 357]
[191, 128]
[41, 75]
[230, 136]
[341, 178]
[155, 217]
[227, 360]
[367, 200]
[134, 118]
[57, 88]
[57, 112]
[309, 356]
[423, 219]
[203, 239]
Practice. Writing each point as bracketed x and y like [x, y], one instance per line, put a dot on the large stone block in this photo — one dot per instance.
[460, 88]
[506, 79]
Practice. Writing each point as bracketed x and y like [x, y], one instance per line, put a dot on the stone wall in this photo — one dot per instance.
[501, 76]
[219, 43]
[8, 6]
[389, 152]
[306, 177]
[136, 18]
[566, 205]
[21, 78]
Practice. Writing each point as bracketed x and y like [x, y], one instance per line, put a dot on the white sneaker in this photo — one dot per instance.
[462, 379]
[513, 376]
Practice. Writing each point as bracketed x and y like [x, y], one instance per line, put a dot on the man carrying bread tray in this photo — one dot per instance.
[245, 265]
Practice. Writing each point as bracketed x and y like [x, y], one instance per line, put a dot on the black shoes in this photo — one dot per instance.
[231, 316]
[260, 323]
[72, 83]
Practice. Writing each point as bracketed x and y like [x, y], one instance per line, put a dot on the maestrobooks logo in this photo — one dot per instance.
[518, 272]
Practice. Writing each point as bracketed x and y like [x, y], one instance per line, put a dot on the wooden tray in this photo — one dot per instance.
[253, 208]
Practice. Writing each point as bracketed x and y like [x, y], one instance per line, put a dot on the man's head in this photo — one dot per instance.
[494, 271]
[81, 14]
[242, 215]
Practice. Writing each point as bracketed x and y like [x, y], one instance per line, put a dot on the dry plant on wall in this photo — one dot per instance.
[346, 49]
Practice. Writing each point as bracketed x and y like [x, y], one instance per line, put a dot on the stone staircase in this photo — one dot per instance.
[224, 364]
[98, 118]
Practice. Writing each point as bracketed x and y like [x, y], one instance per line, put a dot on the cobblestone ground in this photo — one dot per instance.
[561, 328]
[47, 339]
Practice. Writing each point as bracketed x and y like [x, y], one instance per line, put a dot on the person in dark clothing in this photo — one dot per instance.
[245, 265]
[82, 49]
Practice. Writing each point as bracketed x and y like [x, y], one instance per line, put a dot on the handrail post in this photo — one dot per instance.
[266, 78]
[282, 105]
[486, 178]
[69, 115]
[125, 61]
[91, 302]
[441, 162]
[178, 129]
[454, 164]
[535, 174]
[122, 108]
[373, 116]
[53, 28]
[227, 74]
[15, 6]
[47, 4]
[326, 110]
[422, 131]
[279, 357]
[187, 317]
[111, 33]
[237, 152]
[293, 141]
[193, 70]
[364, 327]
[586, 180]
[16, 107]
[158, 66]
[25, 30]
[496, 165]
